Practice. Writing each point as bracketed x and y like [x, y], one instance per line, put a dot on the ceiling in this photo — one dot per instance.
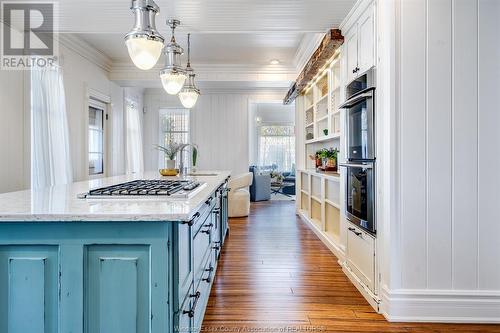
[230, 32]
[219, 48]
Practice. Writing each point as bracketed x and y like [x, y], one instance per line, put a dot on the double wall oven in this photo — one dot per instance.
[360, 152]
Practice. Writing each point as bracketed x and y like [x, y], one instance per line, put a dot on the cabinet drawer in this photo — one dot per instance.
[202, 243]
[206, 275]
[361, 255]
[199, 311]
[184, 317]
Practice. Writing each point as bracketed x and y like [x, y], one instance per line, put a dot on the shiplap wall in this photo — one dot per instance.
[219, 126]
[449, 144]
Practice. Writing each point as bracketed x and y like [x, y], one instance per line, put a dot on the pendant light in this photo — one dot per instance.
[189, 94]
[173, 75]
[144, 42]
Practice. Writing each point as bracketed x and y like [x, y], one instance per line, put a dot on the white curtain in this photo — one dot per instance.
[277, 147]
[50, 155]
[135, 159]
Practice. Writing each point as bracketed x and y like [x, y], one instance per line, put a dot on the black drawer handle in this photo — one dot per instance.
[209, 200]
[357, 233]
[190, 313]
[216, 211]
[216, 248]
[193, 219]
[206, 231]
[209, 278]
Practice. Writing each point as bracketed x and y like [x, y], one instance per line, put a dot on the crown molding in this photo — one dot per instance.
[305, 50]
[87, 51]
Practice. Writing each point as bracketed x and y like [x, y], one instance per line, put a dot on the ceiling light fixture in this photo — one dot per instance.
[173, 75]
[189, 94]
[144, 42]
[274, 62]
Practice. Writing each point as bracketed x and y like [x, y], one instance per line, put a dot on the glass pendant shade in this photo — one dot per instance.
[188, 97]
[144, 52]
[144, 42]
[172, 82]
[173, 75]
[189, 94]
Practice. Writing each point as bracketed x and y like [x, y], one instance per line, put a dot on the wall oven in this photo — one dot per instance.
[360, 195]
[360, 119]
[360, 152]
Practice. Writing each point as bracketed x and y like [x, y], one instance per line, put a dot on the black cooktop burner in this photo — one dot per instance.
[146, 187]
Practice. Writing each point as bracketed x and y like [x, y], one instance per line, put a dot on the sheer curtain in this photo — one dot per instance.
[135, 159]
[50, 155]
[277, 147]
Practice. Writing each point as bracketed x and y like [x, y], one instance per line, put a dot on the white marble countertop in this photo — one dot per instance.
[61, 203]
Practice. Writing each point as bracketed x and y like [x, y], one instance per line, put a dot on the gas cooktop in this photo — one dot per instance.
[148, 188]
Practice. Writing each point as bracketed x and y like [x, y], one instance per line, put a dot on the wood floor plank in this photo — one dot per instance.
[275, 275]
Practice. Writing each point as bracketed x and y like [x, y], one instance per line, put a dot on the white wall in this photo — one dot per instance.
[446, 262]
[80, 75]
[14, 132]
[219, 126]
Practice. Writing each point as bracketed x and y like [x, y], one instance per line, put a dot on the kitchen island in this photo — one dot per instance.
[109, 265]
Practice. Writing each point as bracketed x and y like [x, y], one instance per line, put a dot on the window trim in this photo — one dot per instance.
[98, 100]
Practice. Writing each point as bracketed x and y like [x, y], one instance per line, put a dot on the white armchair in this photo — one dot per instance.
[239, 196]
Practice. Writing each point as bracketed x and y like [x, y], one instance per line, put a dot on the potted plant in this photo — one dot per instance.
[170, 151]
[330, 157]
[194, 156]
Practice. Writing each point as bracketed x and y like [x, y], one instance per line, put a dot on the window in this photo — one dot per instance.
[96, 141]
[174, 127]
[277, 146]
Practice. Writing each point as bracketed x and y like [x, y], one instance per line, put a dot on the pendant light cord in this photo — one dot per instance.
[189, 51]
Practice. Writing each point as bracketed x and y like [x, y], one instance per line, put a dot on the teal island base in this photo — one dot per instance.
[110, 277]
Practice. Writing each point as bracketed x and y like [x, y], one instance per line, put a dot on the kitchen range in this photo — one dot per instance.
[144, 246]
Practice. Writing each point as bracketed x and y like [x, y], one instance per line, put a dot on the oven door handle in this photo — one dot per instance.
[364, 166]
[355, 100]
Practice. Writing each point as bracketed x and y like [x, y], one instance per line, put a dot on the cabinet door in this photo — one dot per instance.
[361, 255]
[117, 289]
[29, 289]
[366, 49]
[352, 53]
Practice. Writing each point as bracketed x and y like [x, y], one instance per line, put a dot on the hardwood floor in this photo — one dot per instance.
[275, 275]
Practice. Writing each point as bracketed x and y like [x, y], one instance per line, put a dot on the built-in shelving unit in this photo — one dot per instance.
[321, 102]
[320, 206]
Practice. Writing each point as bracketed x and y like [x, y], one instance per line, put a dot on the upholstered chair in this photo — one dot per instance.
[239, 196]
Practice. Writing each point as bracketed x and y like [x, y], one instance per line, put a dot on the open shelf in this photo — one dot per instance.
[324, 138]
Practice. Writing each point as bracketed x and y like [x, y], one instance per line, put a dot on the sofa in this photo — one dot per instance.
[260, 190]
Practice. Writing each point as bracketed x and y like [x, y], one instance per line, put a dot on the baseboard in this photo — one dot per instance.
[447, 306]
[370, 297]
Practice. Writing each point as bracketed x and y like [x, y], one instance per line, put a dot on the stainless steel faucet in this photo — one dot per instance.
[183, 170]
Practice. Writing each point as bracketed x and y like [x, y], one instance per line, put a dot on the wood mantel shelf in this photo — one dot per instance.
[330, 43]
